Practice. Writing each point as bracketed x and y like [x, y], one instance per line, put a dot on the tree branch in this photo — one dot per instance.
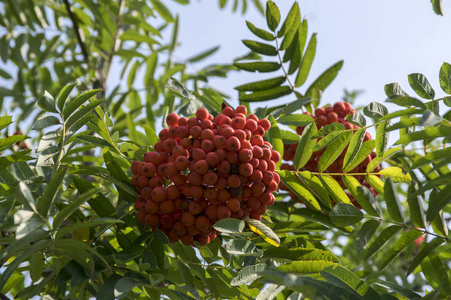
[77, 31]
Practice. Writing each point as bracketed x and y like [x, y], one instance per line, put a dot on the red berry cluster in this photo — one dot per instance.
[324, 116]
[205, 169]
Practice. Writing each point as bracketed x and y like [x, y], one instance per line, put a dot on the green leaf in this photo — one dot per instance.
[393, 204]
[379, 159]
[229, 226]
[437, 7]
[260, 48]
[425, 251]
[357, 119]
[242, 247]
[86, 224]
[47, 103]
[375, 110]
[437, 203]
[291, 21]
[264, 95]
[407, 102]
[101, 204]
[325, 79]
[395, 173]
[409, 294]
[162, 10]
[51, 191]
[36, 266]
[305, 146]
[421, 86]
[289, 137]
[96, 141]
[294, 184]
[5, 121]
[247, 274]
[394, 90]
[382, 137]
[12, 266]
[261, 33]
[306, 63]
[299, 253]
[75, 103]
[334, 150]
[399, 246]
[203, 55]
[436, 273]
[46, 122]
[382, 239]
[336, 126]
[350, 281]
[272, 15]
[365, 150]
[275, 138]
[335, 190]
[151, 135]
[73, 206]
[429, 118]
[305, 266]
[426, 133]
[258, 66]
[270, 292]
[344, 214]
[365, 233]
[263, 231]
[445, 78]
[415, 208]
[315, 186]
[405, 112]
[123, 286]
[319, 217]
[262, 85]
[80, 118]
[354, 146]
[64, 93]
[295, 120]
[431, 157]
[366, 200]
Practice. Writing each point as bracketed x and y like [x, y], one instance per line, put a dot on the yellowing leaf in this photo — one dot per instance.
[396, 174]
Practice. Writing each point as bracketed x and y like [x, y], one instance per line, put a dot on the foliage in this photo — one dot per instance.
[68, 138]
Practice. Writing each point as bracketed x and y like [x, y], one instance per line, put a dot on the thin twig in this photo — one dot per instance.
[77, 31]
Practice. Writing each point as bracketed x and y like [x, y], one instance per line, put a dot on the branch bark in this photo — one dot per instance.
[77, 31]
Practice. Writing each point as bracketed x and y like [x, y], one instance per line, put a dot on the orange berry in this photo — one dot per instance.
[188, 218]
[195, 178]
[179, 228]
[187, 239]
[223, 212]
[223, 195]
[172, 236]
[183, 121]
[237, 214]
[224, 167]
[198, 154]
[182, 132]
[142, 181]
[158, 194]
[171, 169]
[195, 131]
[258, 188]
[221, 183]
[179, 179]
[219, 141]
[152, 220]
[136, 163]
[156, 181]
[257, 140]
[233, 204]
[210, 178]
[210, 194]
[254, 163]
[203, 240]
[228, 111]
[201, 166]
[203, 223]
[267, 177]
[163, 134]
[186, 142]
[241, 109]
[207, 146]
[166, 221]
[256, 176]
[234, 181]
[251, 125]
[167, 206]
[152, 207]
[207, 134]
[265, 124]
[212, 159]
[206, 124]
[246, 169]
[141, 216]
[181, 163]
[245, 155]
[192, 230]
[238, 123]
[233, 143]
[202, 113]
[146, 192]
[172, 192]
[196, 191]
[263, 165]
[195, 208]
[211, 213]
[259, 131]
[172, 119]
[241, 135]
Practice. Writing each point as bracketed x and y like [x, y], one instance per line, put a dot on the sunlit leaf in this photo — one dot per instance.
[260, 48]
[259, 66]
[325, 79]
[344, 214]
[365, 233]
[424, 251]
[272, 15]
[405, 239]
[294, 184]
[247, 274]
[334, 150]
[375, 110]
[305, 146]
[306, 62]
[264, 95]
[229, 226]
[261, 33]
[262, 85]
[379, 242]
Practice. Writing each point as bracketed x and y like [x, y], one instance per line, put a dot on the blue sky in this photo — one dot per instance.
[380, 41]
